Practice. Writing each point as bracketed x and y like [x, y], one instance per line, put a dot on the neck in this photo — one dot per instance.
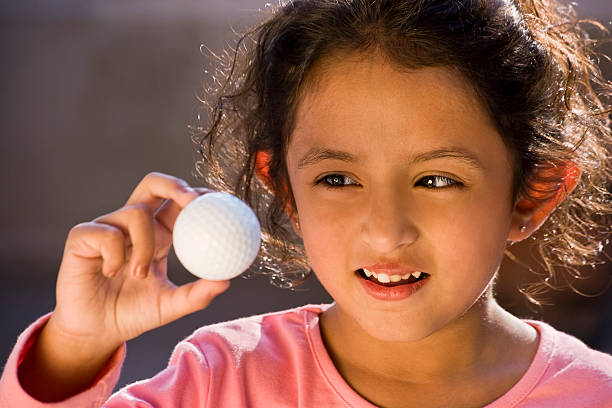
[481, 341]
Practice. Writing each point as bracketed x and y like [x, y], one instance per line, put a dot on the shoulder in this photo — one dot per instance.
[571, 369]
[238, 363]
[256, 340]
[569, 354]
[247, 330]
[244, 362]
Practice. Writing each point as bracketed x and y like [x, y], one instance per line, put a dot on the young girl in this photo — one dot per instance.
[406, 144]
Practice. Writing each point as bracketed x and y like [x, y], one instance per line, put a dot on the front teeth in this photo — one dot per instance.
[384, 278]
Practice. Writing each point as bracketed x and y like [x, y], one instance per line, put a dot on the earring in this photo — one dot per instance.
[523, 228]
[297, 225]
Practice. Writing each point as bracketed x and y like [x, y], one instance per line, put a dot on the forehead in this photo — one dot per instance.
[360, 101]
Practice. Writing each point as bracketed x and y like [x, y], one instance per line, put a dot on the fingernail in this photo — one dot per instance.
[224, 288]
[189, 190]
[137, 272]
[141, 271]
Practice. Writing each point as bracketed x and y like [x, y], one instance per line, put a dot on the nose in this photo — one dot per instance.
[387, 224]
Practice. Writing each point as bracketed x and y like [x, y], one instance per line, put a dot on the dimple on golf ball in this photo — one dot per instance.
[216, 236]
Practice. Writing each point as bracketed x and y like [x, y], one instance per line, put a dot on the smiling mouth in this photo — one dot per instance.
[390, 281]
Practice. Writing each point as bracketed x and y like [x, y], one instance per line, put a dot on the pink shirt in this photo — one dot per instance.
[279, 360]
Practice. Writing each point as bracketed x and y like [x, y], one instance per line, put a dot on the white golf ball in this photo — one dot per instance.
[216, 236]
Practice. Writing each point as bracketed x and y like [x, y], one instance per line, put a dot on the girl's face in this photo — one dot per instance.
[405, 170]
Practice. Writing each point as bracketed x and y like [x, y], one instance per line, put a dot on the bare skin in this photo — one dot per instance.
[112, 286]
[487, 358]
[448, 344]
[362, 199]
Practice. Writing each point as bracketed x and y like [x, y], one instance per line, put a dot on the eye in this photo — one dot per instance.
[437, 182]
[335, 181]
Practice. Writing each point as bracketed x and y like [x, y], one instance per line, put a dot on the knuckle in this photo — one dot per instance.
[170, 180]
[152, 176]
[75, 231]
[79, 227]
[180, 183]
[98, 231]
[112, 234]
[139, 210]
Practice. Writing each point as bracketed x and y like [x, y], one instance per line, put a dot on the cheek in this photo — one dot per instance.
[324, 229]
[467, 246]
[470, 236]
[330, 231]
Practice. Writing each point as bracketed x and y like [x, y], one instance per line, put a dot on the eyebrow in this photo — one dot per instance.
[318, 154]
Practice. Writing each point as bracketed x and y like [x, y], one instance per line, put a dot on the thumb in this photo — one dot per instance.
[189, 298]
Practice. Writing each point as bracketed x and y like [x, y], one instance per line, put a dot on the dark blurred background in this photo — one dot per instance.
[95, 95]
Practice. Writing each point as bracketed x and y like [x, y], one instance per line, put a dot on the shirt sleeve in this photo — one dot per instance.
[13, 395]
[184, 383]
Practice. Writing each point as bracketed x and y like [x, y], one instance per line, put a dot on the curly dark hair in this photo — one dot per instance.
[532, 63]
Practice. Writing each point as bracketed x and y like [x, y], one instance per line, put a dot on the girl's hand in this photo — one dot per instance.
[113, 286]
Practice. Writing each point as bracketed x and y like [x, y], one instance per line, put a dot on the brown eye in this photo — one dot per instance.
[336, 181]
[437, 182]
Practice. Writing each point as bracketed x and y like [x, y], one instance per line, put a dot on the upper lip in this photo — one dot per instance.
[391, 268]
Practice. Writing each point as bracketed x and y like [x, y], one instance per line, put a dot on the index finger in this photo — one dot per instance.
[155, 187]
[169, 210]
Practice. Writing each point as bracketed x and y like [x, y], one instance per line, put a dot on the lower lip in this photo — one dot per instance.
[390, 293]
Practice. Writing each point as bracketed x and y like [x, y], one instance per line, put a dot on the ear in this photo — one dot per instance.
[528, 215]
[262, 167]
[262, 170]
